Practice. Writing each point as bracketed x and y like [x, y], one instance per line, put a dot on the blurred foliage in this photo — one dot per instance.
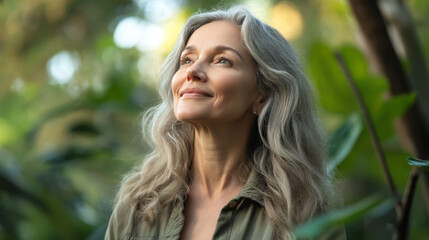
[373, 205]
[67, 137]
[342, 141]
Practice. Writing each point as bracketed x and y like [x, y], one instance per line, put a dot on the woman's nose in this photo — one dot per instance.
[196, 72]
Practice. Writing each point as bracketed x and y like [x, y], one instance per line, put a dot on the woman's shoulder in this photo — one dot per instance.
[121, 220]
[127, 222]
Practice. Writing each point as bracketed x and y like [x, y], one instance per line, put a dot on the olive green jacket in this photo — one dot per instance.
[244, 217]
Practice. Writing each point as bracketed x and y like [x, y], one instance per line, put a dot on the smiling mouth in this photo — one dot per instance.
[194, 92]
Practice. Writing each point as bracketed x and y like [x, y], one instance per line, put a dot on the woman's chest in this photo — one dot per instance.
[200, 220]
[247, 220]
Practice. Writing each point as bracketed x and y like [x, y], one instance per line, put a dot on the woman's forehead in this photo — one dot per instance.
[217, 33]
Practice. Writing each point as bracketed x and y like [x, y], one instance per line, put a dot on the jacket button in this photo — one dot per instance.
[232, 204]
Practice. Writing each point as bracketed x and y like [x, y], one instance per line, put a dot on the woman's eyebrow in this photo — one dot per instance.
[189, 48]
[218, 48]
[226, 48]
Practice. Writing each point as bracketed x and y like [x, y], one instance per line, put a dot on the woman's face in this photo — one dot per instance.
[216, 81]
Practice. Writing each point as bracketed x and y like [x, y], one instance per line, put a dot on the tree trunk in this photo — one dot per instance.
[400, 20]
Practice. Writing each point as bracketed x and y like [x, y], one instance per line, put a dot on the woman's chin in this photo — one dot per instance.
[189, 118]
[191, 115]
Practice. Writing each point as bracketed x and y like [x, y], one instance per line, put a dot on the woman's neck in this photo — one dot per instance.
[218, 155]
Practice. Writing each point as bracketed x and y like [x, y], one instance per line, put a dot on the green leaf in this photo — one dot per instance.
[335, 93]
[392, 109]
[371, 87]
[342, 141]
[355, 60]
[320, 225]
[421, 163]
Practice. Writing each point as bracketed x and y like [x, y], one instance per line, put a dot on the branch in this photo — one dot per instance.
[374, 137]
[399, 17]
[403, 218]
[377, 39]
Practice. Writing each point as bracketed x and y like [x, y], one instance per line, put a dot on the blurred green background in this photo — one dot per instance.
[75, 76]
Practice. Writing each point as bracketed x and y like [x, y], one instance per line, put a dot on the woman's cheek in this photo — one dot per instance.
[175, 85]
[230, 86]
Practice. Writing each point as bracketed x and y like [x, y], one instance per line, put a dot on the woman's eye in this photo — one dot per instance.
[224, 61]
[185, 60]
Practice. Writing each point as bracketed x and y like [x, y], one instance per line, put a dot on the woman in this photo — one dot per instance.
[237, 150]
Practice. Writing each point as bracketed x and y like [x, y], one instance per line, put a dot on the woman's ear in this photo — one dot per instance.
[259, 104]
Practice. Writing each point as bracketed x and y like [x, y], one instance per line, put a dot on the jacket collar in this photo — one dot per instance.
[253, 189]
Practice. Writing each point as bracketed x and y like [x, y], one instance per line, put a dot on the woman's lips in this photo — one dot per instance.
[194, 92]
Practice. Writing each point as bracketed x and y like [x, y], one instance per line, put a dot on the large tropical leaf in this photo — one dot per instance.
[321, 225]
[341, 142]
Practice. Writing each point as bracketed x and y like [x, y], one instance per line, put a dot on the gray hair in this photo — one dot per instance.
[287, 145]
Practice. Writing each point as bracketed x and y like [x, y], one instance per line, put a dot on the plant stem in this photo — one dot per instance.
[374, 137]
[403, 218]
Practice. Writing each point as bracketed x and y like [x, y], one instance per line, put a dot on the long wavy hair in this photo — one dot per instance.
[287, 146]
